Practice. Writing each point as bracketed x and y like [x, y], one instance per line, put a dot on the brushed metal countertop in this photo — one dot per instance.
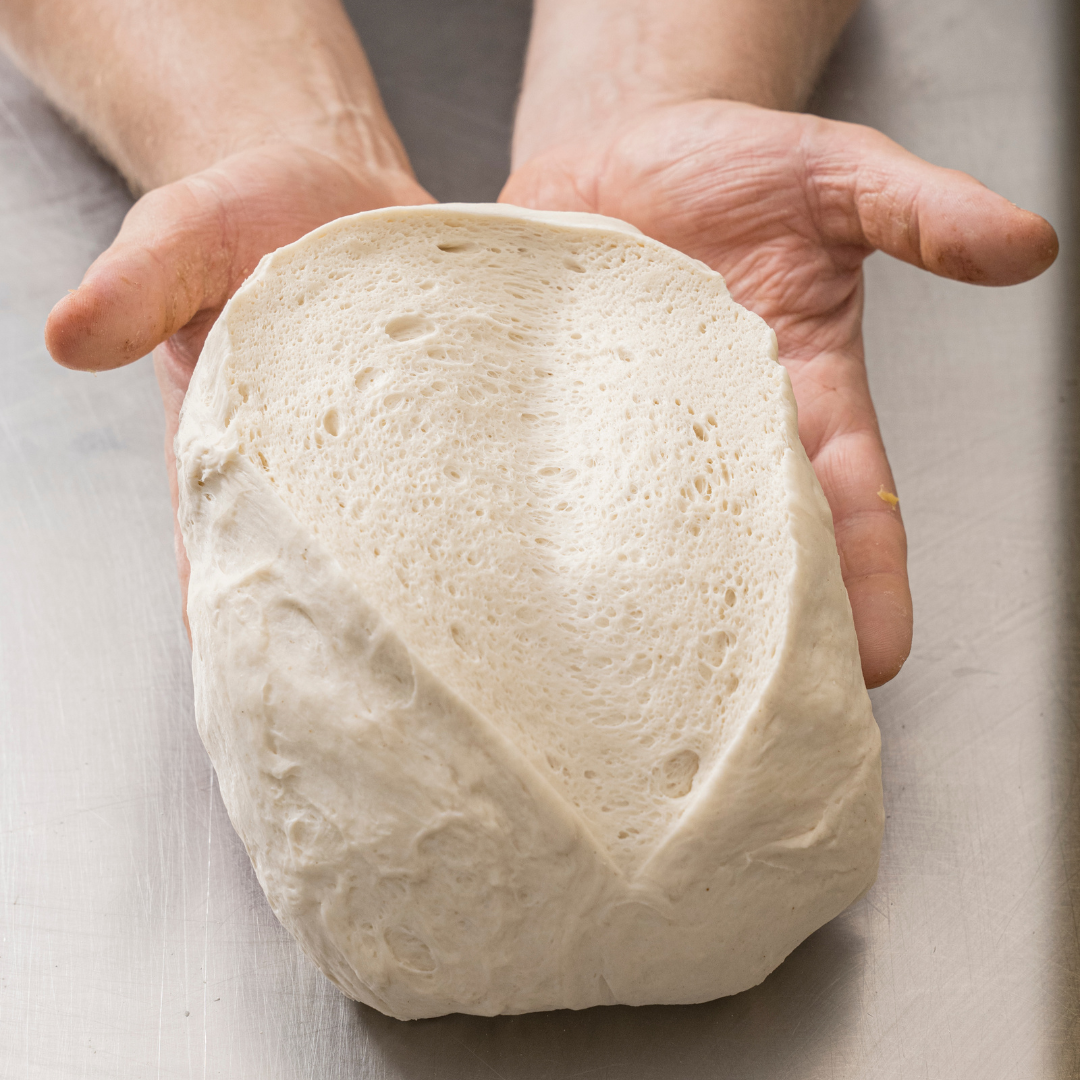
[134, 939]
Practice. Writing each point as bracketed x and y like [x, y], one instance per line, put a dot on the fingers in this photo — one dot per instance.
[870, 537]
[870, 191]
[839, 429]
[185, 248]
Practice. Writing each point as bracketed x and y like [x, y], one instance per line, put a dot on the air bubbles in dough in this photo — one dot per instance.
[520, 642]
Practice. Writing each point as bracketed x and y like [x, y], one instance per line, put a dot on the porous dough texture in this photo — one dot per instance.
[521, 648]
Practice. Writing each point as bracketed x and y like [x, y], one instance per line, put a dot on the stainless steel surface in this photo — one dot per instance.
[134, 940]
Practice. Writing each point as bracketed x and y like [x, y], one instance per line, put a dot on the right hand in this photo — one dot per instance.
[186, 247]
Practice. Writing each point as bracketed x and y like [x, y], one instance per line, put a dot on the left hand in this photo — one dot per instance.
[787, 207]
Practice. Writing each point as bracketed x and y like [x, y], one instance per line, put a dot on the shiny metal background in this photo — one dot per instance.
[134, 940]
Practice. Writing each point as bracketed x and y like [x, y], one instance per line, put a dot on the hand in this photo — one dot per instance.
[787, 207]
[185, 248]
[249, 124]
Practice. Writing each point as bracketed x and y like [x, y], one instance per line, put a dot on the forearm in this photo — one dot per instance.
[590, 59]
[168, 87]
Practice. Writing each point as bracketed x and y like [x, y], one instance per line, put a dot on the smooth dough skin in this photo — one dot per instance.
[520, 643]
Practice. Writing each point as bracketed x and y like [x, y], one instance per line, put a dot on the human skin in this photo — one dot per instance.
[247, 123]
[667, 114]
[250, 122]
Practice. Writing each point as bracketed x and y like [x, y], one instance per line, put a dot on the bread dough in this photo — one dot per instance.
[521, 648]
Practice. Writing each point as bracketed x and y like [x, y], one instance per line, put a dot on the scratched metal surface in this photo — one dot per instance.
[134, 941]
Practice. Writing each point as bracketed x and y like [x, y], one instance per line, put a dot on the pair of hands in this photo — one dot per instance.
[785, 206]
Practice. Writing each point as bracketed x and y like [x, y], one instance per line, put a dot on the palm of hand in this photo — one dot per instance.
[785, 207]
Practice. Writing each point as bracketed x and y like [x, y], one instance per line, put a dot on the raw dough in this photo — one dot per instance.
[520, 643]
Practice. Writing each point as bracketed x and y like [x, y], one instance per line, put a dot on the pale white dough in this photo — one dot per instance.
[520, 643]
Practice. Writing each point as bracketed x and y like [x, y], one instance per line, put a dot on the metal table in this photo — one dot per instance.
[134, 940]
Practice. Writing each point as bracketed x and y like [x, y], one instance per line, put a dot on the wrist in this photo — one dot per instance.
[348, 135]
[592, 65]
[168, 90]
[187, 125]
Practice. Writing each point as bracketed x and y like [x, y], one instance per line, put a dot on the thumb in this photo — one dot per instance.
[185, 248]
[937, 219]
[175, 254]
